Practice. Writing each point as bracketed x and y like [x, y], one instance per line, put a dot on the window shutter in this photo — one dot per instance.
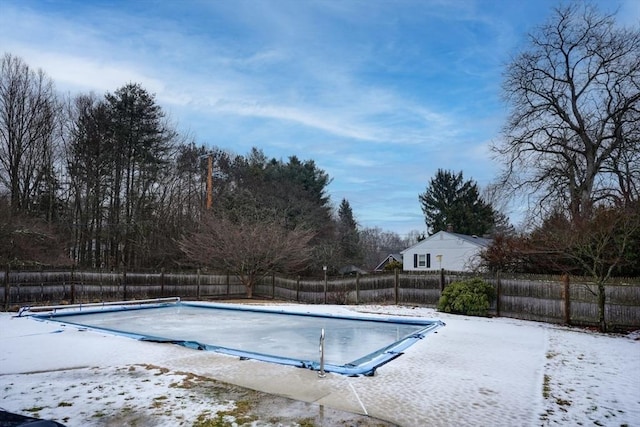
[428, 260]
[415, 260]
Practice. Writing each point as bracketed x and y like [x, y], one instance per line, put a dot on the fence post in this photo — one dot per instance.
[228, 284]
[73, 286]
[498, 293]
[273, 286]
[567, 298]
[325, 284]
[124, 284]
[357, 287]
[441, 280]
[41, 283]
[198, 284]
[298, 289]
[395, 285]
[162, 282]
[7, 287]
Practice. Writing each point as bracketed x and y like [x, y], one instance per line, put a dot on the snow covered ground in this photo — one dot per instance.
[473, 371]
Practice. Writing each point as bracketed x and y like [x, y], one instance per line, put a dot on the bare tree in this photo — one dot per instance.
[27, 123]
[30, 241]
[88, 158]
[249, 248]
[572, 136]
[377, 244]
[595, 247]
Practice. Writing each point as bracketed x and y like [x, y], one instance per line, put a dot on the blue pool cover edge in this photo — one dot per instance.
[365, 366]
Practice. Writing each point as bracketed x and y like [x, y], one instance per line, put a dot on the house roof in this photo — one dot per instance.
[480, 241]
[474, 240]
[388, 258]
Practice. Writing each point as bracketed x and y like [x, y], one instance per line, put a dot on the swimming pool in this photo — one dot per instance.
[352, 345]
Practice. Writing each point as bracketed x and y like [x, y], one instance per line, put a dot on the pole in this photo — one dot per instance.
[325, 283]
[321, 372]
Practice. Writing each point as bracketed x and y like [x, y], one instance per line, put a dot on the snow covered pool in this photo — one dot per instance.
[353, 345]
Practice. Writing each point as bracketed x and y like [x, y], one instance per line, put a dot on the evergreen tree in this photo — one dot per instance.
[348, 235]
[451, 202]
[293, 193]
[142, 141]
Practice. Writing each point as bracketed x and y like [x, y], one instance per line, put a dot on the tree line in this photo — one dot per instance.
[108, 182]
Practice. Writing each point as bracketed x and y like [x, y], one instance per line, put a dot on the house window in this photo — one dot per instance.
[423, 261]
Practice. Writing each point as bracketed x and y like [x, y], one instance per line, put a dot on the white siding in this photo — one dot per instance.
[443, 250]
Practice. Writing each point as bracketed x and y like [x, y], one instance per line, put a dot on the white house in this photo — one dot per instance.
[449, 251]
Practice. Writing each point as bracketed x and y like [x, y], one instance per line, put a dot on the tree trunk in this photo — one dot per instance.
[248, 281]
[601, 306]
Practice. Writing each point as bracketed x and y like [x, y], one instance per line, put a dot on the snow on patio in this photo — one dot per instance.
[473, 371]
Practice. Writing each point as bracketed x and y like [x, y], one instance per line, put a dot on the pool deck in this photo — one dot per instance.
[473, 371]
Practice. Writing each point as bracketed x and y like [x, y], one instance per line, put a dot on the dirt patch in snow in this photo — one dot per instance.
[148, 395]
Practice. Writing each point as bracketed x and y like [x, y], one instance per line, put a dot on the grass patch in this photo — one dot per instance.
[150, 367]
[546, 387]
[237, 416]
[62, 404]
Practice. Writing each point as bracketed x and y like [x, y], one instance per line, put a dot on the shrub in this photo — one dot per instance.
[472, 297]
[393, 265]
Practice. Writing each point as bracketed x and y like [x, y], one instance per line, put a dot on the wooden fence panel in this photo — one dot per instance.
[420, 289]
[533, 298]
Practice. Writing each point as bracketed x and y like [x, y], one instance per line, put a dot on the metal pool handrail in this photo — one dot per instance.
[54, 308]
[321, 372]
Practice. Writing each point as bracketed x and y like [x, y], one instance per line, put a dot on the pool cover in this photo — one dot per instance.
[353, 345]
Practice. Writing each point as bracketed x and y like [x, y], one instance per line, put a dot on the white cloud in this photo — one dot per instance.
[84, 73]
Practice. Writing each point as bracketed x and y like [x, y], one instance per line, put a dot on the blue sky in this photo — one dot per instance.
[379, 93]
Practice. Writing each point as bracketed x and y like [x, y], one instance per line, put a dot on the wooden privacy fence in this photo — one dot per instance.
[571, 301]
[548, 299]
[32, 288]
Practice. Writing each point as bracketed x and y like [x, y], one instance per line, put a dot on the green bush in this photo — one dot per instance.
[472, 297]
[393, 265]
